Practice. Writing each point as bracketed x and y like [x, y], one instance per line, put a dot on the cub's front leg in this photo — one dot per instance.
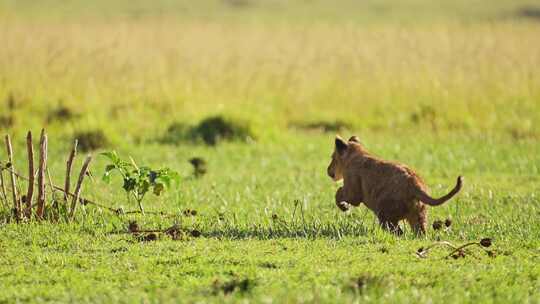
[341, 200]
[345, 198]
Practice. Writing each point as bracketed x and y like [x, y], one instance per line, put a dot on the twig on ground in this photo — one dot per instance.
[457, 251]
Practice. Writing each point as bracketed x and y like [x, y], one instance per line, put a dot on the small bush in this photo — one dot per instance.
[323, 126]
[176, 133]
[424, 113]
[530, 12]
[520, 133]
[91, 140]
[6, 121]
[238, 3]
[61, 114]
[214, 129]
[11, 102]
[211, 131]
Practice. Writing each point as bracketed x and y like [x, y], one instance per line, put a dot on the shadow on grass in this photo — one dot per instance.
[307, 231]
[335, 126]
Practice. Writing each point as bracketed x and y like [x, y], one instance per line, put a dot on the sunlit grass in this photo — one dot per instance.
[447, 87]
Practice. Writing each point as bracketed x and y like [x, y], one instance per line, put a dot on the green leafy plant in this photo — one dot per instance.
[139, 180]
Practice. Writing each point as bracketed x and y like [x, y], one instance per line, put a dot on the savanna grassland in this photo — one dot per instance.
[448, 87]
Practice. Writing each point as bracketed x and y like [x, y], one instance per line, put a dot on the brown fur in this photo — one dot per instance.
[391, 190]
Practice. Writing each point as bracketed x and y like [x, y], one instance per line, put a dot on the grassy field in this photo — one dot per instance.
[448, 87]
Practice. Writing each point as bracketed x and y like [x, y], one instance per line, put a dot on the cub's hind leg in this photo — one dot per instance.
[390, 225]
[390, 212]
[417, 219]
[389, 222]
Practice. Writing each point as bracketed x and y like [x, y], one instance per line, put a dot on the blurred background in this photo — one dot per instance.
[134, 69]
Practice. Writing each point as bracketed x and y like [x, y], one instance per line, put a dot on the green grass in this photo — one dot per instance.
[449, 88]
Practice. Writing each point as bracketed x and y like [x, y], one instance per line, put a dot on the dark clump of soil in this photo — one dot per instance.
[199, 166]
[175, 232]
[146, 237]
[61, 114]
[323, 126]
[133, 226]
[437, 225]
[91, 140]
[485, 242]
[235, 284]
[189, 212]
[268, 265]
[210, 131]
[195, 233]
[448, 222]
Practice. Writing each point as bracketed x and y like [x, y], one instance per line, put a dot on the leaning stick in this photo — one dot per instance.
[16, 202]
[78, 188]
[3, 184]
[30, 193]
[41, 174]
[68, 170]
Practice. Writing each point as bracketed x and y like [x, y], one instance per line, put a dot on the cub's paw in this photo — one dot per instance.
[343, 206]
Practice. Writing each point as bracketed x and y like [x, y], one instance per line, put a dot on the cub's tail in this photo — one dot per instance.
[425, 198]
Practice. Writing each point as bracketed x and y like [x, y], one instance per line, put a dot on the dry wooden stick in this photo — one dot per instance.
[30, 193]
[85, 201]
[78, 188]
[41, 174]
[16, 202]
[82, 200]
[69, 164]
[3, 187]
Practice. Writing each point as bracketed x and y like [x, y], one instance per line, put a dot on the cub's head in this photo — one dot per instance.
[336, 167]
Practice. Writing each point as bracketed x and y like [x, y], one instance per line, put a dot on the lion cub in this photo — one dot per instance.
[391, 190]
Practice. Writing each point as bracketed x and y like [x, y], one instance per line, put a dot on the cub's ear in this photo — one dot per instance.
[341, 145]
[355, 139]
